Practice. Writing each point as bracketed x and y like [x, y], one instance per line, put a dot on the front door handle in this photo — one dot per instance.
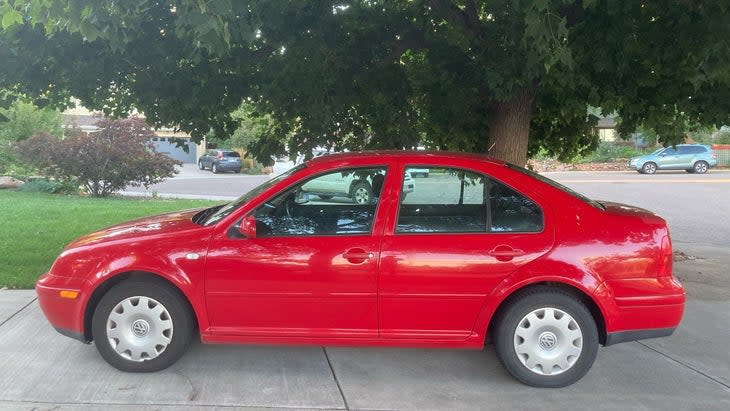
[357, 255]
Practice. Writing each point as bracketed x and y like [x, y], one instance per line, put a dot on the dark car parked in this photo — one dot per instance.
[220, 160]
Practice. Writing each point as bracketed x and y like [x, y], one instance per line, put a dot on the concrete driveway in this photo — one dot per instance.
[44, 370]
[690, 370]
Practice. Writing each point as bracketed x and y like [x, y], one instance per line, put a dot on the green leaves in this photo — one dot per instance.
[10, 16]
[377, 74]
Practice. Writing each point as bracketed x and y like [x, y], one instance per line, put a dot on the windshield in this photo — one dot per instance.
[557, 185]
[237, 203]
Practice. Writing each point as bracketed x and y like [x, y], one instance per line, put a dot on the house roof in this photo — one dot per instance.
[606, 122]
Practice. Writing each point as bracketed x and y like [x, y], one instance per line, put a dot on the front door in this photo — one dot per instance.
[311, 270]
[457, 236]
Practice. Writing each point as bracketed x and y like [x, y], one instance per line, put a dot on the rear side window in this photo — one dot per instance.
[460, 201]
[512, 211]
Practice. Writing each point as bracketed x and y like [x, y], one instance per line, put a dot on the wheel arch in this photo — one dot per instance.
[102, 288]
[580, 294]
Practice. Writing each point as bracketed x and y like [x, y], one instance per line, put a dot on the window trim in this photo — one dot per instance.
[487, 185]
[304, 181]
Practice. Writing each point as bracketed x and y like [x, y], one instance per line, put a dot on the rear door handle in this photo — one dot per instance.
[507, 253]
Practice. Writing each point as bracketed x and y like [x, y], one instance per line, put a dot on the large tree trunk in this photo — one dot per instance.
[509, 127]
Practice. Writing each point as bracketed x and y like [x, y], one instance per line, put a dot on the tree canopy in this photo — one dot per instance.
[504, 76]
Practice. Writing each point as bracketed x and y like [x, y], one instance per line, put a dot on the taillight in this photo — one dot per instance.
[665, 257]
[220, 156]
[714, 155]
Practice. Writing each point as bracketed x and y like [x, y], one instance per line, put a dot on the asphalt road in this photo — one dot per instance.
[689, 370]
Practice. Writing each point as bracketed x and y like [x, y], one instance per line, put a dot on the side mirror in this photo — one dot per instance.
[248, 227]
[301, 197]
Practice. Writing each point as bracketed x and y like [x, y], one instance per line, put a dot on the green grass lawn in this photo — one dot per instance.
[35, 227]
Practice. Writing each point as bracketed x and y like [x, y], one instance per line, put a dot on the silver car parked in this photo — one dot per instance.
[693, 158]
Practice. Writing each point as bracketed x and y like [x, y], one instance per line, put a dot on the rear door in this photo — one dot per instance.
[457, 236]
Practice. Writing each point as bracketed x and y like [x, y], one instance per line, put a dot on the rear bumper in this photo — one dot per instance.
[635, 309]
[228, 166]
[64, 314]
[633, 335]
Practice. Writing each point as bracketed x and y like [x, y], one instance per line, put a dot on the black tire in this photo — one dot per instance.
[649, 168]
[200, 165]
[533, 300]
[214, 169]
[237, 171]
[701, 167]
[361, 193]
[323, 197]
[170, 298]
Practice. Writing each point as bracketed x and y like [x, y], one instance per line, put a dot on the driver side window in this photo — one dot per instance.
[337, 203]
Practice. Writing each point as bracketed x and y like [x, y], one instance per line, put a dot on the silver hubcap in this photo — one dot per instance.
[548, 341]
[361, 195]
[139, 328]
[650, 168]
[701, 167]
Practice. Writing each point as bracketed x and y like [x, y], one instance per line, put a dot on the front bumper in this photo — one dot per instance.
[65, 314]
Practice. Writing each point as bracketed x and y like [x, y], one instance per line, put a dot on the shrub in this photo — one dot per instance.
[119, 154]
[722, 137]
[18, 122]
[608, 152]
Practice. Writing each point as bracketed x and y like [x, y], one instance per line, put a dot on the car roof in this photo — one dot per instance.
[413, 156]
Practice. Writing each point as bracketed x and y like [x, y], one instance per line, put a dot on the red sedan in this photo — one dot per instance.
[479, 251]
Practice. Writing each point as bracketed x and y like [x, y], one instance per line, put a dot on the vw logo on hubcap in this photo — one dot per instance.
[140, 328]
[547, 340]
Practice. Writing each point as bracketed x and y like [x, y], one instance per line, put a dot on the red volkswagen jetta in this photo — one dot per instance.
[334, 252]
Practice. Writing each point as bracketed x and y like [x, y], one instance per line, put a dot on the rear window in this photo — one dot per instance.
[231, 154]
[557, 185]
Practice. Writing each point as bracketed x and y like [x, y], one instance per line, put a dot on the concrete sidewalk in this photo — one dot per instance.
[42, 369]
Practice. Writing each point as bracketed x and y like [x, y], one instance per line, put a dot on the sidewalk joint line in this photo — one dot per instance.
[334, 375]
[18, 312]
[711, 378]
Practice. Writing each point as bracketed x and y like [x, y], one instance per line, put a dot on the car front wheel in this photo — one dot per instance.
[214, 169]
[546, 338]
[648, 168]
[701, 167]
[142, 326]
[200, 165]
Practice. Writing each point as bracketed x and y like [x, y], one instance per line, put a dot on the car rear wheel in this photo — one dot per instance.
[546, 338]
[648, 168]
[361, 193]
[142, 326]
[200, 165]
[701, 167]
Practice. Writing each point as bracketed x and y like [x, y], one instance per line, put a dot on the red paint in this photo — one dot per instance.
[438, 290]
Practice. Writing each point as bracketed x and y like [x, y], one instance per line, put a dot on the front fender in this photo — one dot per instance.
[180, 267]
